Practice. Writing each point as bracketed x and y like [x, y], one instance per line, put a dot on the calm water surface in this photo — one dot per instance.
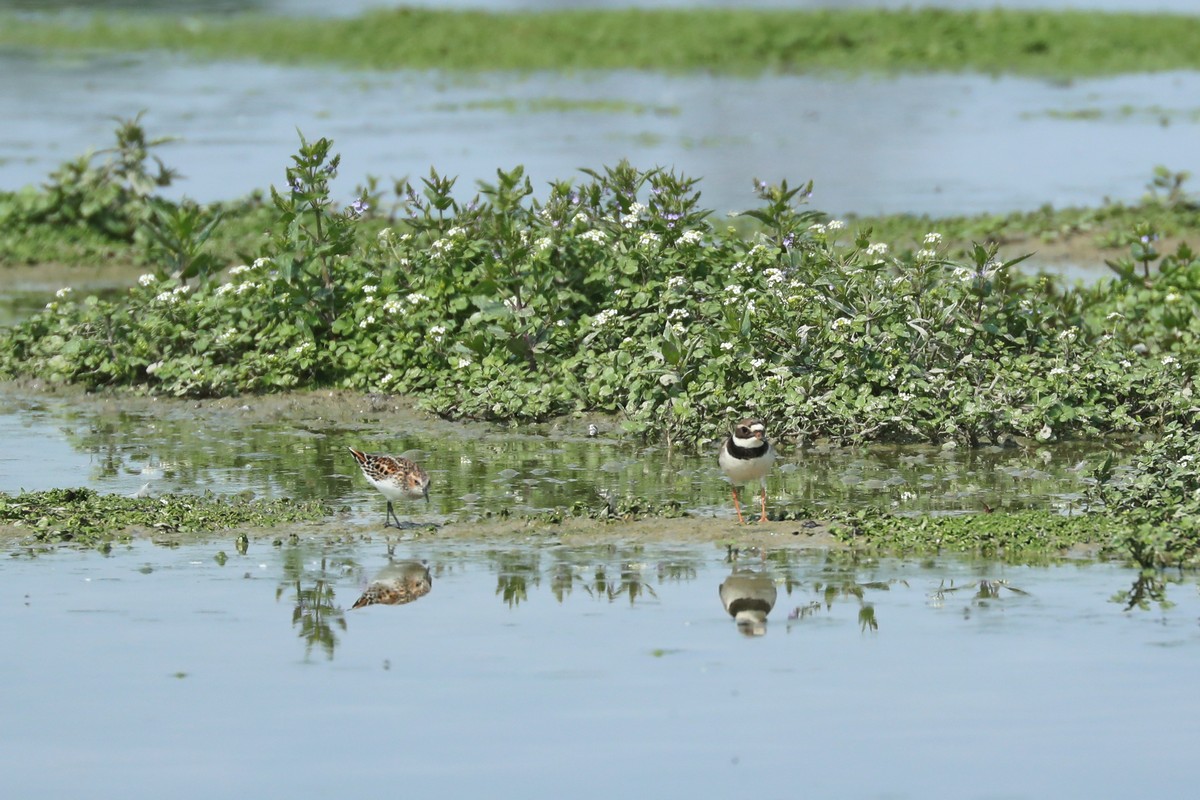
[534, 670]
[936, 144]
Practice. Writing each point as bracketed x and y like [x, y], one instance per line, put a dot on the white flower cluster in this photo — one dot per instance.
[676, 282]
[603, 318]
[369, 288]
[774, 276]
[147, 279]
[634, 214]
[543, 244]
[877, 249]
[690, 238]
[597, 236]
[239, 269]
[393, 306]
[437, 331]
[648, 239]
[416, 298]
[63, 292]
[925, 254]
[172, 297]
[303, 348]
[367, 321]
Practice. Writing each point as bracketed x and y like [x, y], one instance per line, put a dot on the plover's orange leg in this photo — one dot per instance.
[763, 518]
[737, 507]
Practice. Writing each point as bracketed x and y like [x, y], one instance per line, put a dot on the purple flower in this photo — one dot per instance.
[359, 207]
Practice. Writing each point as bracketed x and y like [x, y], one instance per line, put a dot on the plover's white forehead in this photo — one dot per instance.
[758, 426]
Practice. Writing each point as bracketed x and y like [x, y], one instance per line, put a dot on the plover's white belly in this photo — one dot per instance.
[745, 470]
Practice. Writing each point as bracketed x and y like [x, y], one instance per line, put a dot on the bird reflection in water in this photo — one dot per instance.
[398, 583]
[749, 596]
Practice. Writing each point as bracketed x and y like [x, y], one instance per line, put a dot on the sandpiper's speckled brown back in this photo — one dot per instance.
[394, 476]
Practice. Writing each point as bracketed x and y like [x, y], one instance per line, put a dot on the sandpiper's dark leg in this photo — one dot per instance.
[391, 515]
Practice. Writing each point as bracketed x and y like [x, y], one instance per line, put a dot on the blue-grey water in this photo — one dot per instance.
[538, 670]
[934, 144]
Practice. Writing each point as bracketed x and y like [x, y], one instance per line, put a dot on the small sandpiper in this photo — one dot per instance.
[395, 477]
[747, 456]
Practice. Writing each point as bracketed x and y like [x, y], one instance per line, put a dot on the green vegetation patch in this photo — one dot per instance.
[618, 295]
[84, 516]
[710, 40]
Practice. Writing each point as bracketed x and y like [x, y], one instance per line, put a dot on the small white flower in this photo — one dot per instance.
[1058, 371]
[817, 228]
[840, 322]
[726, 346]
[581, 218]
[757, 363]
[774, 276]
[933, 239]
[927, 255]
[456, 232]
[463, 363]
[63, 292]
[597, 236]
[678, 313]
[261, 262]
[676, 282]
[691, 238]
[416, 298]
[386, 379]
[648, 239]
[437, 331]
[1068, 336]
[1167, 360]
[877, 249]
[147, 279]
[224, 288]
[1115, 315]
[369, 288]
[392, 306]
[369, 319]
[835, 225]
[239, 269]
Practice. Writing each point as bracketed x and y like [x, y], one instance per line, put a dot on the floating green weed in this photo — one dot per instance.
[85, 516]
[746, 41]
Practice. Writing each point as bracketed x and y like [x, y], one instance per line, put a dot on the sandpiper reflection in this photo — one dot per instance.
[749, 596]
[398, 583]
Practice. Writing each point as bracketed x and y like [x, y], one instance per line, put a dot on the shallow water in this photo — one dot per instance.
[542, 669]
[124, 447]
[936, 144]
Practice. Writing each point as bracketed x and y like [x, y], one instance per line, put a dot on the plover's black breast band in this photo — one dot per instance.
[745, 453]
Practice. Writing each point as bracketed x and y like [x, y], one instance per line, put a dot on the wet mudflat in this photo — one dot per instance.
[195, 670]
[297, 446]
